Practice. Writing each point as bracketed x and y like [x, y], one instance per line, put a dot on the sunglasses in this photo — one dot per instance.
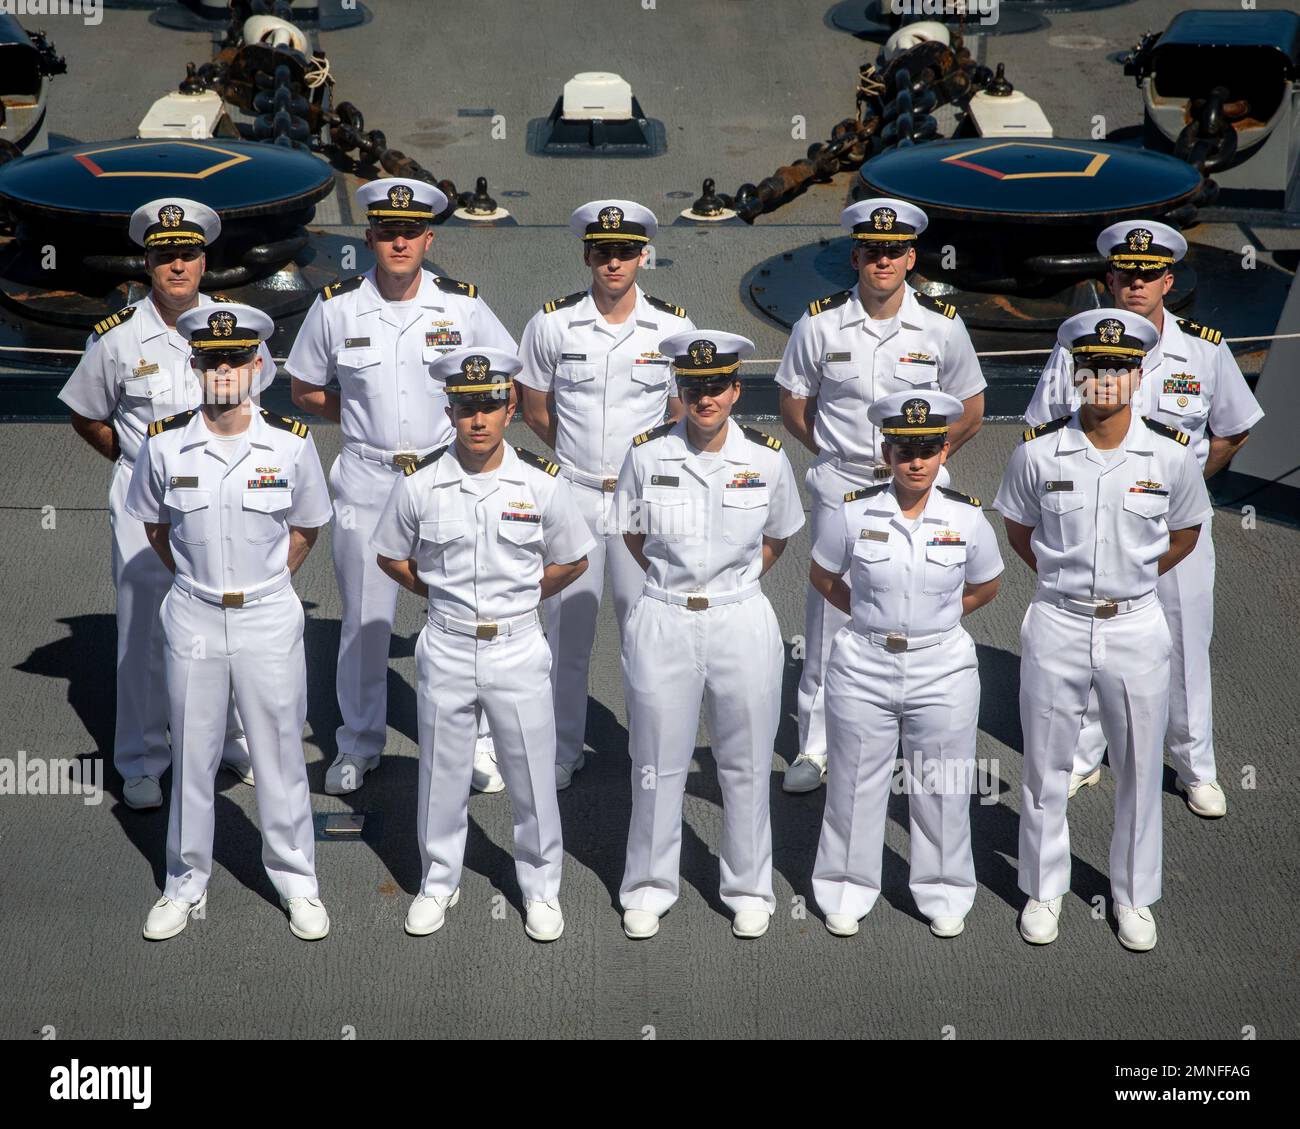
[624, 252]
[387, 232]
[1150, 274]
[693, 392]
[883, 250]
[234, 358]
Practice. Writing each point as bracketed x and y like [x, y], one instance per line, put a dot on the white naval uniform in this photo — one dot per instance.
[380, 353]
[229, 507]
[1101, 521]
[704, 517]
[610, 384]
[1190, 381]
[847, 360]
[136, 370]
[480, 543]
[903, 666]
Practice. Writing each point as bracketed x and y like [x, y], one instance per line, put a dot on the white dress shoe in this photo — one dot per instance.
[244, 770]
[347, 773]
[142, 792]
[640, 924]
[486, 778]
[564, 773]
[1137, 928]
[1039, 921]
[750, 923]
[308, 920]
[841, 924]
[543, 921]
[169, 917]
[1206, 800]
[1077, 781]
[428, 912]
[807, 774]
[947, 926]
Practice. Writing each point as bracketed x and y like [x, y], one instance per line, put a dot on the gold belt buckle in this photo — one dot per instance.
[404, 459]
[486, 631]
[895, 642]
[609, 485]
[697, 603]
[232, 600]
[883, 472]
[1107, 610]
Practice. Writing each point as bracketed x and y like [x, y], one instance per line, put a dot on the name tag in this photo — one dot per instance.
[144, 370]
[1063, 484]
[356, 342]
[573, 356]
[873, 535]
[184, 480]
[833, 357]
[664, 480]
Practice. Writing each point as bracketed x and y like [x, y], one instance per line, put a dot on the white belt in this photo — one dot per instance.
[898, 642]
[1099, 609]
[487, 629]
[582, 478]
[698, 601]
[232, 599]
[399, 459]
[876, 471]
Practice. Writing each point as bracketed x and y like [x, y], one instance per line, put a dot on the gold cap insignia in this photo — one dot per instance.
[1139, 239]
[1110, 331]
[701, 352]
[916, 411]
[882, 219]
[611, 218]
[475, 367]
[170, 215]
[399, 196]
[221, 324]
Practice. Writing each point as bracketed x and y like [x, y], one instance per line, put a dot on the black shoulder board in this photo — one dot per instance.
[334, 289]
[168, 422]
[431, 457]
[865, 492]
[958, 496]
[532, 458]
[284, 423]
[220, 298]
[113, 320]
[451, 286]
[1167, 431]
[654, 433]
[756, 436]
[829, 302]
[1204, 332]
[568, 300]
[667, 307]
[938, 305]
[1044, 428]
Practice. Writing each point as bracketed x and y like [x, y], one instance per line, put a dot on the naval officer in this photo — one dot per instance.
[136, 370]
[707, 507]
[1190, 381]
[592, 379]
[379, 335]
[918, 559]
[484, 532]
[847, 351]
[232, 499]
[1099, 503]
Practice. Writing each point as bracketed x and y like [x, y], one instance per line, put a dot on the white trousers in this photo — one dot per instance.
[826, 489]
[729, 657]
[1186, 593]
[1064, 658]
[256, 653]
[505, 679]
[140, 745]
[571, 618]
[930, 698]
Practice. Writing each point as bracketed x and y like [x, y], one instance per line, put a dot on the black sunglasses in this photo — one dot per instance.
[215, 358]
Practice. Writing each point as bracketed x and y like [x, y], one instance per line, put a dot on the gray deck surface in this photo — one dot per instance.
[725, 77]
